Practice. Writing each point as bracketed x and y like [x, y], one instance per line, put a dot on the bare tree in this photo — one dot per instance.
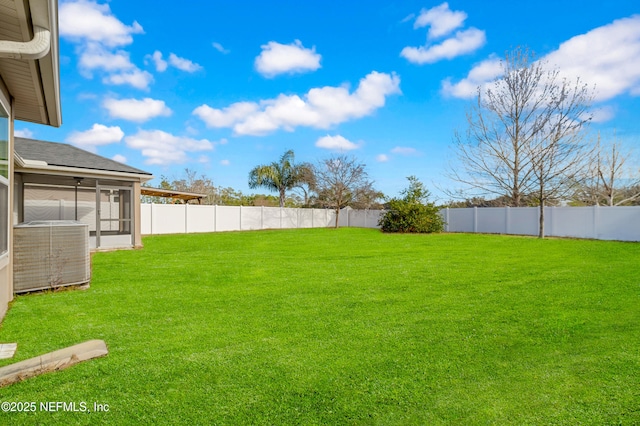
[341, 181]
[614, 180]
[191, 182]
[525, 134]
[493, 156]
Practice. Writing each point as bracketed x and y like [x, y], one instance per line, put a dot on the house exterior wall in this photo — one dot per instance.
[6, 259]
[30, 91]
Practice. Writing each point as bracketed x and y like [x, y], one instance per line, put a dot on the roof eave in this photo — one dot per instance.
[49, 65]
[29, 167]
[46, 74]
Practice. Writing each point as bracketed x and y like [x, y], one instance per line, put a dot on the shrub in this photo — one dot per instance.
[412, 213]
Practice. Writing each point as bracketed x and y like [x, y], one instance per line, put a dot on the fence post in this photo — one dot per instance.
[507, 220]
[240, 217]
[446, 219]
[280, 217]
[215, 218]
[596, 214]
[186, 221]
[475, 219]
[151, 221]
[261, 217]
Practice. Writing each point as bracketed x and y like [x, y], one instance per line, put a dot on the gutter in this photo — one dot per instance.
[37, 48]
[41, 167]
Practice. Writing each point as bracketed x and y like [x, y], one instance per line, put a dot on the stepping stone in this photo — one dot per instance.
[7, 350]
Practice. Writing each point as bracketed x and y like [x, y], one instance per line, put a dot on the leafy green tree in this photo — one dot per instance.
[413, 213]
[280, 176]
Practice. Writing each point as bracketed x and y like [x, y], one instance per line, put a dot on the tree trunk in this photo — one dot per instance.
[282, 197]
[337, 216]
[541, 225]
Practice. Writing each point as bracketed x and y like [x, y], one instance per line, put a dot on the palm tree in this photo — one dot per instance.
[281, 176]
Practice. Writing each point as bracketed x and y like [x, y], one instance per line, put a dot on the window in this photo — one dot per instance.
[4, 180]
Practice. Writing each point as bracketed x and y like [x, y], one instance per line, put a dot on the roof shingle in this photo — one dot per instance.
[60, 154]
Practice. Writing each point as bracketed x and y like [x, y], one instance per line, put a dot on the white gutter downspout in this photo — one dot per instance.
[34, 49]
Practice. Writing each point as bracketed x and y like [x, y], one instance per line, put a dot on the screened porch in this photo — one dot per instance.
[106, 206]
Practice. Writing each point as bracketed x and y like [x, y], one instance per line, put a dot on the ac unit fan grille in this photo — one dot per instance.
[50, 256]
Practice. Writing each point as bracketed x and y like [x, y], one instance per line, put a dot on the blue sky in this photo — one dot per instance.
[222, 86]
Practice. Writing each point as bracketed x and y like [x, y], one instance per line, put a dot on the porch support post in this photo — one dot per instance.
[98, 224]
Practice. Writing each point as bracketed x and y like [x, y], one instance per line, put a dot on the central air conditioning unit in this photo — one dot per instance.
[50, 254]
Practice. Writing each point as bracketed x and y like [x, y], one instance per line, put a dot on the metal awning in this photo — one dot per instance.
[168, 193]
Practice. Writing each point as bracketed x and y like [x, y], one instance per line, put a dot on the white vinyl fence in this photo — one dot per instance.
[602, 223]
[190, 218]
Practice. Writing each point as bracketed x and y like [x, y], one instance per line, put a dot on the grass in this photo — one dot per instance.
[346, 326]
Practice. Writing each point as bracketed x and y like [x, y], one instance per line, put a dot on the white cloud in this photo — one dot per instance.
[164, 148]
[463, 42]
[136, 78]
[136, 110]
[225, 162]
[89, 21]
[160, 64]
[403, 150]
[24, 133]
[467, 88]
[277, 58]
[440, 19]
[174, 60]
[97, 32]
[228, 116]
[336, 143]
[119, 158]
[606, 57]
[382, 158]
[220, 48]
[98, 135]
[95, 56]
[318, 108]
[183, 64]
[441, 22]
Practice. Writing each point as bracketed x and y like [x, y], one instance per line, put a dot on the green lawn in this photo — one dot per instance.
[346, 326]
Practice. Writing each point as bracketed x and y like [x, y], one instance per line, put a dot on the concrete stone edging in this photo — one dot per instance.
[53, 361]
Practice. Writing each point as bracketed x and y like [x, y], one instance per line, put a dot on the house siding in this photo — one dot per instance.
[6, 260]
